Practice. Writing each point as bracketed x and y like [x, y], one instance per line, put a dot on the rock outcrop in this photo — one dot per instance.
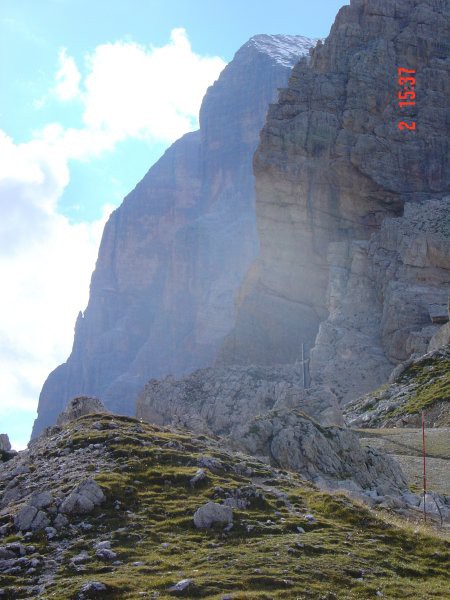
[6, 453]
[381, 295]
[175, 252]
[211, 513]
[352, 212]
[220, 400]
[331, 457]
[256, 410]
[5, 444]
[79, 407]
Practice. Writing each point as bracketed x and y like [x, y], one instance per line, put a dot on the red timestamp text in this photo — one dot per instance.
[406, 96]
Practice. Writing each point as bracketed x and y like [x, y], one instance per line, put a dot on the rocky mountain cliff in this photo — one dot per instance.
[352, 212]
[174, 253]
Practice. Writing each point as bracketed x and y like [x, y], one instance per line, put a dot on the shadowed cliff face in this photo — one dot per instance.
[331, 166]
[174, 253]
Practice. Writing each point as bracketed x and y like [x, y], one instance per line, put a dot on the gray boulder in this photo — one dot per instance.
[199, 477]
[60, 522]
[84, 498]
[440, 339]
[90, 588]
[25, 517]
[40, 522]
[219, 400]
[29, 518]
[435, 505]
[5, 444]
[41, 500]
[181, 586]
[211, 513]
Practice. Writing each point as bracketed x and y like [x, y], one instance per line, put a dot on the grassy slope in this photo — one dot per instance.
[431, 378]
[424, 385]
[348, 552]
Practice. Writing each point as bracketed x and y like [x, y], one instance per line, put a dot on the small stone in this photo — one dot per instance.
[51, 532]
[80, 558]
[93, 586]
[106, 554]
[211, 463]
[199, 477]
[60, 521]
[181, 586]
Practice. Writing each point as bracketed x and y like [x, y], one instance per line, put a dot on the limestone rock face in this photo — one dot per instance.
[380, 296]
[352, 212]
[78, 407]
[174, 253]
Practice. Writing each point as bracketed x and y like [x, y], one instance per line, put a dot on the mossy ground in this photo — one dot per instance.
[431, 384]
[347, 552]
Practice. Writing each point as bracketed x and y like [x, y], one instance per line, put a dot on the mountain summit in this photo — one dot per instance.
[175, 252]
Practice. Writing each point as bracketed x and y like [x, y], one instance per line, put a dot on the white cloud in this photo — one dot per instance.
[133, 91]
[45, 261]
[67, 77]
[45, 267]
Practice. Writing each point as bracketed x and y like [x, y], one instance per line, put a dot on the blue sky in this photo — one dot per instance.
[93, 92]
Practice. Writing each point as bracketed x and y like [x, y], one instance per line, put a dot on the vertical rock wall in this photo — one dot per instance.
[330, 168]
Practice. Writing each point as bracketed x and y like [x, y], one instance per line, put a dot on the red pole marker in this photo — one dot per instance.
[424, 469]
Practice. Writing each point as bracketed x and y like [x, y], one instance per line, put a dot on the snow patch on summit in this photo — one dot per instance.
[285, 49]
